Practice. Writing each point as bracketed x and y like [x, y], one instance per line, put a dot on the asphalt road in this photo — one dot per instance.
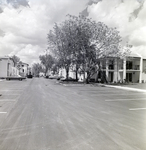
[40, 114]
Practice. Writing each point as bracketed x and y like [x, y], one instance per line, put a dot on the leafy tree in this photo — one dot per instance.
[16, 59]
[47, 60]
[81, 43]
[36, 69]
[59, 41]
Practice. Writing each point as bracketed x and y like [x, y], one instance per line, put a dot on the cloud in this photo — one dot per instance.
[128, 16]
[17, 3]
[24, 29]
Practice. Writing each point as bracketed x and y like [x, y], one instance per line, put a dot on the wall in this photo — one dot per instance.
[136, 77]
[3, 67]
[144, 77]
[11, 65]
[23, 69]
[15, 71]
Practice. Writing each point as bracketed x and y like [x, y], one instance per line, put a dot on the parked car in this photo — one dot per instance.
[18, 77]
[46, 76]
[29, 76]
[69, 79]
[53, 76]
[60, 77]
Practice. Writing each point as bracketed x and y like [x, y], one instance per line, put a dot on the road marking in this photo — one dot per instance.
[7, 100]
[9, 94]
[3, 112]
[11, 89]
[115, 94]
[114, 100]
[137, 109]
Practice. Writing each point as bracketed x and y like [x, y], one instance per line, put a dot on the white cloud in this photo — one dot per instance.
[23, 31]
[127, 15]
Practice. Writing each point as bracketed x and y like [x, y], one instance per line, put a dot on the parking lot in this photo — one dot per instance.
[44, 114]
[10, 92]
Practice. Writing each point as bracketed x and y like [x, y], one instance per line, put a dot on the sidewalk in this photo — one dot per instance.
[139, 87]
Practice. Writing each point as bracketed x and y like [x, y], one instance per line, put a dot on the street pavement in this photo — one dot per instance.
[42, 114]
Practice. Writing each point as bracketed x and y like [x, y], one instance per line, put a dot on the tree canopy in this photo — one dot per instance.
[47, 60]
[36, 69]
[81, 42]
[16, 59]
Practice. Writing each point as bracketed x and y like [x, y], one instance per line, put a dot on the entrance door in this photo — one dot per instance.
[129, 77]
[111, 76]
[8, 69]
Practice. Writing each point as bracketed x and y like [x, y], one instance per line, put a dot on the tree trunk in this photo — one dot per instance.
[76, 73]
[67, 72]
[96, 78]
[88, 78]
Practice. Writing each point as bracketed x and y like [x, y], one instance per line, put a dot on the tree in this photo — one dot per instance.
[16, 59]
[81, 42]
[47, 60]
[36, 69]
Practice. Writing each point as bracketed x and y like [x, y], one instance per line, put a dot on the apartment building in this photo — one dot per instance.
[130, 69]
[7, 67]
[23, 69]
[115, 69]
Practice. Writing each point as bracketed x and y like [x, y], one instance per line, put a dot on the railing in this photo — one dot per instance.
[135, 67]
[111, 67]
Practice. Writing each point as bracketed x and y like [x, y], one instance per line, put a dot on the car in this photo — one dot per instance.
[53, 76]
[29, 76]
[46, 76]
[69, 79]
[18, 77]
[60, 77]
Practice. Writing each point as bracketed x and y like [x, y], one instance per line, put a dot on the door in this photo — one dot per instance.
[111, 76]
[129, 77]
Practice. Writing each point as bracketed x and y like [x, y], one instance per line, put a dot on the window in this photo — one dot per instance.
[129, 64]
[111, 64]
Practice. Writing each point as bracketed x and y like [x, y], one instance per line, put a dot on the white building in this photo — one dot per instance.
[23, 69]
[7, 67]
[131, 69]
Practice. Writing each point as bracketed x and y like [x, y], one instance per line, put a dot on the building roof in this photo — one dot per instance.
[6, 57]
[134, 54]
[22, 63]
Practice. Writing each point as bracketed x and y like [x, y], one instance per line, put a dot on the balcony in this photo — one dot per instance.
[135, 67]
[111, 67]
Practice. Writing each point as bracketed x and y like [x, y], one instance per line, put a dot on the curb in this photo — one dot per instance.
[117, 87]
[124, 88]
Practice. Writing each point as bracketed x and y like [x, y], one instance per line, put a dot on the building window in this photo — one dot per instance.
[111, 64]
[129, 65]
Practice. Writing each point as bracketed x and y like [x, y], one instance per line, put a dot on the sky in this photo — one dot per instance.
[24, 24]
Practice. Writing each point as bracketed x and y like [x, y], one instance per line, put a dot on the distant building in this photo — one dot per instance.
[128, 69]
[7, 67]
[115, 69]
[23, 69]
